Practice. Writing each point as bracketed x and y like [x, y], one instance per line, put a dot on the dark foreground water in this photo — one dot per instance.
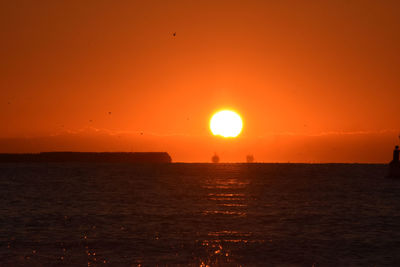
[198, 215]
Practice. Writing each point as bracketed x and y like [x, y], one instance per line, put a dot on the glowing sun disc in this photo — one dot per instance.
[226, 123]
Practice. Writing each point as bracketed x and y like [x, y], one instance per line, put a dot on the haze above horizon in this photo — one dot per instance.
[313, 82]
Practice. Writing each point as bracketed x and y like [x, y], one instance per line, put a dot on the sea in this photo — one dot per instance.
[115, 214]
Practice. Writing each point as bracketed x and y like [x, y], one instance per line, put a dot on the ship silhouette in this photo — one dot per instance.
[215, 158]
[249, 158]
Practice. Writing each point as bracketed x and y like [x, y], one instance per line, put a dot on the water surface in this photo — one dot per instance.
[198, 215]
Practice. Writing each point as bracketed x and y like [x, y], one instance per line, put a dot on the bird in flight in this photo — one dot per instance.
[174, 34]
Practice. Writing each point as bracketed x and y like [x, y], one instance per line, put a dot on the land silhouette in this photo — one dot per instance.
[128, 157]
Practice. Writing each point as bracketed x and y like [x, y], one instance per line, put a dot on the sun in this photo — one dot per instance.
[226, 123]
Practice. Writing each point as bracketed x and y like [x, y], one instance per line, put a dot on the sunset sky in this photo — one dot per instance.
[314, 81]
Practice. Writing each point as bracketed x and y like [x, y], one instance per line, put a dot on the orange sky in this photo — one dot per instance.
[314, 81]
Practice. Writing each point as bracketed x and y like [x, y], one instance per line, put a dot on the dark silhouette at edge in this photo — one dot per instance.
[99, 157]
[394, 165]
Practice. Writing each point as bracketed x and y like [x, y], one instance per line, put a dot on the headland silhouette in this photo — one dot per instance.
[100, 157]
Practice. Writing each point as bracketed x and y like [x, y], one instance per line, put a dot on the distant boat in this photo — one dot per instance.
[394, 165]
[215, 158]
[250, 158]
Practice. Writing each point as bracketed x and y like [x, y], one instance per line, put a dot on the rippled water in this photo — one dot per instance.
[198, 215]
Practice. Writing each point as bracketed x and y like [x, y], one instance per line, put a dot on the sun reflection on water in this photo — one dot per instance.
[225, 197]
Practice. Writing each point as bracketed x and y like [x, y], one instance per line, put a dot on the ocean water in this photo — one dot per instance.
[198, 215]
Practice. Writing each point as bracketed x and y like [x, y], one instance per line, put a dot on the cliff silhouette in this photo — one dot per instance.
[114, 157]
